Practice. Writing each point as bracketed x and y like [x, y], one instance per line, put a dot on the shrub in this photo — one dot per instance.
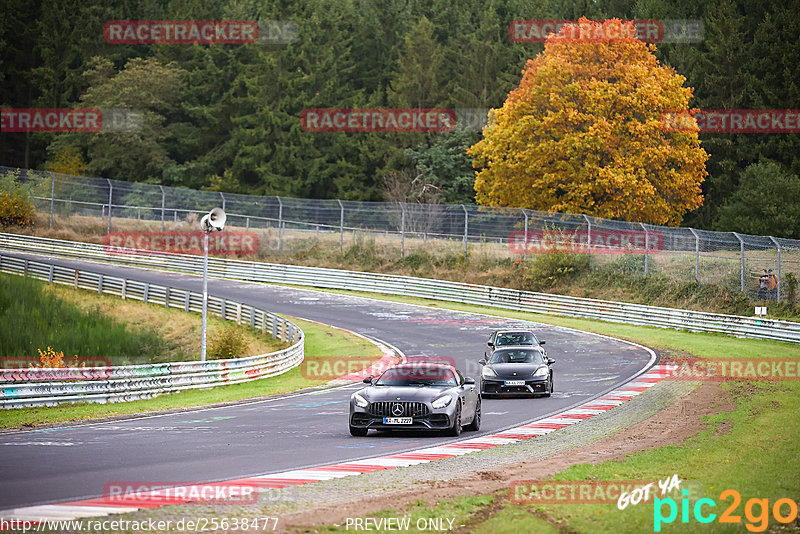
[227, 343]
[548, 269]
[16, 209]
[790, 288]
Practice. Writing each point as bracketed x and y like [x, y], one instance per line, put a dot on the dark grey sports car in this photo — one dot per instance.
[415, 396]
[517, 370]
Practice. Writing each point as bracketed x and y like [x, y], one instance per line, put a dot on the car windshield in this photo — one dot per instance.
[515, 338]
[418, 376]
[517, 356]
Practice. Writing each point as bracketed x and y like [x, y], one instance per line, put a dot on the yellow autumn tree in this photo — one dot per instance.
[583, 132]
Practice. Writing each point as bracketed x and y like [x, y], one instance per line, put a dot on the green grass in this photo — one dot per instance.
[757, 454]
[32, 318]
[321, 342]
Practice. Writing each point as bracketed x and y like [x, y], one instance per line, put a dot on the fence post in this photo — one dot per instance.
[525, 251]
[779, 267]
[696, 256]
[52, 197]
[402, 230]
[110, 191]
[646, 247]
[741, 257]
[466, 229]
[280, 220]
[588, 233]
[341, 225]
[223, 200]
[162, 206]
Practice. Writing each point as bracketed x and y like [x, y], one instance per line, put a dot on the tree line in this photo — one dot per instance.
[227, 117]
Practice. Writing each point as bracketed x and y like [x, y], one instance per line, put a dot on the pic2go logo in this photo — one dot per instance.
[758, 520]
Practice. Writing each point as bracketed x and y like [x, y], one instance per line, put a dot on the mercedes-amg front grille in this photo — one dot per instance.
[398, 409]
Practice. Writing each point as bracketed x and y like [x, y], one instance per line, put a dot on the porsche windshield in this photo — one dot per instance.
[517, 356]
[417, 376]
[515, 338]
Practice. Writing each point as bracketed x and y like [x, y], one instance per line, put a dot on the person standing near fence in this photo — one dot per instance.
[762, 285]
[772, 286]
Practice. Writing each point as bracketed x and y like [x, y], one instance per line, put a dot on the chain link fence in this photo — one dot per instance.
[729, 259]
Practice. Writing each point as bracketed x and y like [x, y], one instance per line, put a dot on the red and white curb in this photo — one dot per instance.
[153, 499]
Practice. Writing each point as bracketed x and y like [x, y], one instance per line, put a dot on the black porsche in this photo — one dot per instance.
[517, 370]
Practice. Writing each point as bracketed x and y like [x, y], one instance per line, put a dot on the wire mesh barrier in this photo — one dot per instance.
[542, 303]
[732, 260]
[41, 386]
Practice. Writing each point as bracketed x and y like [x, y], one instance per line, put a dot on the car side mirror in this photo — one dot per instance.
[368, 380]
[469, 380]
[482, 361]
[550, 361]
[542, 342]
[490, 344]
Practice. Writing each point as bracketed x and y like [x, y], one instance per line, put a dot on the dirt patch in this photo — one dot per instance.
[672, 425]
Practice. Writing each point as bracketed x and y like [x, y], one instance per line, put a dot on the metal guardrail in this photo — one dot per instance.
[545, 303]
[46, 386]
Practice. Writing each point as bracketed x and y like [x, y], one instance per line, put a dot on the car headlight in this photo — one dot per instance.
[541, 371]
[360, 401]
[441, 402]
[487, 372]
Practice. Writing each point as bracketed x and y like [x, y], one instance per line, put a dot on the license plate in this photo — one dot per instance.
[514, 382]
[397, 420]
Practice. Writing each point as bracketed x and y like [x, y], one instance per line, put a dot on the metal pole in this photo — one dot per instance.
[162, 206]
[466, 229]
[205, 297]
[696, 256]
[402, 230]
[110, 191]
[525, 252]
[588, 233]
[341, 225]
[779, 267]
[52, 197]
[646, 246]
[741, 255]
[280, 221]
[223, 200]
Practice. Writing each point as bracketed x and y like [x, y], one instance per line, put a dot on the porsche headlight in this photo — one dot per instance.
[441, 402]
[541, 371]
[360, 401]
[487, 372]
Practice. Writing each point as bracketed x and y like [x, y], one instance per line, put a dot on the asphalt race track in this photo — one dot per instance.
[74, 462]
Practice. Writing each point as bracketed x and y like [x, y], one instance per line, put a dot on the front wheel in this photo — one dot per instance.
[455, 430]
[360, 432]
[549, 387]
[476, 421]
